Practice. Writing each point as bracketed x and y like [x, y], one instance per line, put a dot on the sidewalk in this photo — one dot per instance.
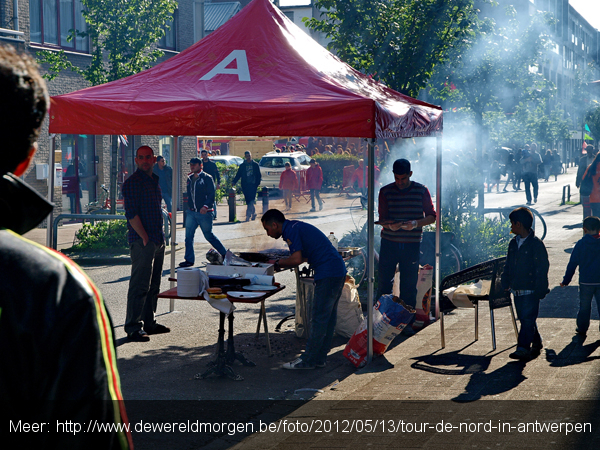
[417, 381]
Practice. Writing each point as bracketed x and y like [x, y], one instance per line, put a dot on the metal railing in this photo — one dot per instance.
[101, 216]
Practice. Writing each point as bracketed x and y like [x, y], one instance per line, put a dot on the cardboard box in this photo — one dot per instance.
[260, 269]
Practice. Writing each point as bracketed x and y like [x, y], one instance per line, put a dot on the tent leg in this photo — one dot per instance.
[174, 202]
[370, 247]
[438, 226]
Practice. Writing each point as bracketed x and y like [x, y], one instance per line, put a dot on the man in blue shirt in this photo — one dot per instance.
[308, 244]
[146, 239]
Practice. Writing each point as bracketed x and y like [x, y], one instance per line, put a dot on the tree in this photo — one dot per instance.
[495, 72]
[398, 42]
[122, 31]
[593, 121]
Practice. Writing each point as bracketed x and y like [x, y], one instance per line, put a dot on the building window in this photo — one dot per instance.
[168, 41]
[52, 20]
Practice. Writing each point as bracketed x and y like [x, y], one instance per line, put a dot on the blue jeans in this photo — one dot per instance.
[324, 316]
[527, 307]
[250, 209]
[406, 255]
[194, 219]
[530, 178]
[586, 293]
[167, 199]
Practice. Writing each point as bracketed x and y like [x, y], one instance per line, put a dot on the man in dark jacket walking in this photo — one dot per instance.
[249, 173]
[56, 337]
[201, 200]
[584, 162]
[526, 276]
[210, 167]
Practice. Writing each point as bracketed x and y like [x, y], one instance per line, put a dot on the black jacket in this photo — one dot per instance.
[58, 360]
[249, 173]
[201, 191]
[527, 267]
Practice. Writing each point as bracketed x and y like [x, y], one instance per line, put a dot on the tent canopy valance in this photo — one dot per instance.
[257, 75]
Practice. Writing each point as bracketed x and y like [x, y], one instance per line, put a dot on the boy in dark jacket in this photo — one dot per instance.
[586, 255]
[526, 276]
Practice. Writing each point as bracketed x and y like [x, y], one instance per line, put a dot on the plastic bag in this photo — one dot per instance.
[349, 310]
[389, 319]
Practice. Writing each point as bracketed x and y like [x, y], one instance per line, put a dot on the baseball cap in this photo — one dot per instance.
[401, 166]
[195, 161]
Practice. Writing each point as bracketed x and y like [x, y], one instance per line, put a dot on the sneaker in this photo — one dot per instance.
[535, 200]
[138, 336]
[581, 332]
[158, 329]
[186, 264]
[521, 354]
[312, 209]
[529, 203]
[253, 217]
[320, 207]
[536, 350]
[298, 364]
[320, 365]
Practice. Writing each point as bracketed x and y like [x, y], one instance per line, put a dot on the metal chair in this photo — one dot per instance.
[496, 298]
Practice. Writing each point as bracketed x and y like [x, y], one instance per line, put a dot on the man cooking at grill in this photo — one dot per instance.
[308, 244]
[405, 207]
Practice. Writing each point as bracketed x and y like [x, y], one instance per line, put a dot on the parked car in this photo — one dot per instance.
[273, 163]
[228, 160]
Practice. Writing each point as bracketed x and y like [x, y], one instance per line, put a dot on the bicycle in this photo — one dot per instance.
[102, 204]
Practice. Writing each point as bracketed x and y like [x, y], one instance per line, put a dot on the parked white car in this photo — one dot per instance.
[273, 163]
[228, 160]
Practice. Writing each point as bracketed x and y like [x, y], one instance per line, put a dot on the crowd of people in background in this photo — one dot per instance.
[524, 164]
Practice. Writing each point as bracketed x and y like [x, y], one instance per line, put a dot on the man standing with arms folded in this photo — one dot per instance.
[405, 207]
[308, 244]
[56, 337]
[249, 173]
[201, 199]
[165, 179]
[146, 238]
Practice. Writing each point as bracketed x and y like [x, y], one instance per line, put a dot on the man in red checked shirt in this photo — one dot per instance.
[405, 207]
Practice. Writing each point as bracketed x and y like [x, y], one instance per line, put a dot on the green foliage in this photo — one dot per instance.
[333, 167]
[593, 121]
[103, 236]
[478, 238]
[398, 42]
[123, 31]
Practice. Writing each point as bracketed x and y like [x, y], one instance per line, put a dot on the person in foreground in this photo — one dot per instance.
[56, 336]
[586, 255]
[308, 244]
[526, 276]
[146, 238]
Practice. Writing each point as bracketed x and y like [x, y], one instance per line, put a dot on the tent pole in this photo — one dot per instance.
[174, 202]
[370, 246]
[51, 177]
[438, 227]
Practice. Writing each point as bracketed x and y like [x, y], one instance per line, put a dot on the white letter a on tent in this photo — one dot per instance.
[241, 71]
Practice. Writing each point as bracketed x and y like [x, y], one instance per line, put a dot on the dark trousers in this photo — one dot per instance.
[530, 178]
[527, 307]
[324, 316]
[144, 285]
[406, 256]
[586, 293]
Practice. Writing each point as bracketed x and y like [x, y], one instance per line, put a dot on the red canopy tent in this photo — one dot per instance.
[257, 75]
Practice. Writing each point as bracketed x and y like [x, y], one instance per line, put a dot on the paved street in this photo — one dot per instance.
[413, 369]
